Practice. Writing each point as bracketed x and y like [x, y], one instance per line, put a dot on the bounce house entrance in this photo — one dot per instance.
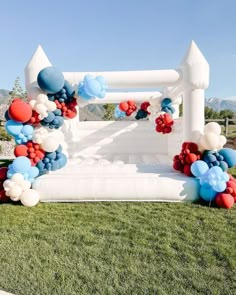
[127, 160]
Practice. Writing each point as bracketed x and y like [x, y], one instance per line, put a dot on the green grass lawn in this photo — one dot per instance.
[117, 248]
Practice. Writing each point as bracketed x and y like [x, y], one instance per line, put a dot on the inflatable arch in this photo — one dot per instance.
[127, 160]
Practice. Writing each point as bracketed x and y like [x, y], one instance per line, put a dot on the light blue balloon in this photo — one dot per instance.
[215, 171]
[10, 171]
[27, 130]
[207, 193]
[13, 128]
[92, 87]
[33, 172]
[21, 164]
[199, 168]
[219, 186]
[69, 88]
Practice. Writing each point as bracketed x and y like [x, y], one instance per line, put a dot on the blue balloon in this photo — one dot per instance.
[166, 102]
[49, 118]
[207, 193]
[199, 168]
[229, 156]
[118, 114]
[69, 89]
[50, 80]
[92, 87]
[62, 161]
[13, 128]
[219, 186]
[10, 171]
[21, 164]
[33, 172]
[27, 130]
[6, 115]
[51, 156]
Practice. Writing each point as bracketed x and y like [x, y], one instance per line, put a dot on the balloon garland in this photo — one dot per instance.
[207, 160]
[35, 127]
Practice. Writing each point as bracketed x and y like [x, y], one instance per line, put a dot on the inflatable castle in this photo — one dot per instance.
[160, 156]
[127, 160]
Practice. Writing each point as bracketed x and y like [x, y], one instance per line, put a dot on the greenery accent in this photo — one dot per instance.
[4, 136]
[117, 248]
[17, 90]
[109, 112]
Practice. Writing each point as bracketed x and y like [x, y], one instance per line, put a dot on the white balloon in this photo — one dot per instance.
[212, 127]
[209, 141]
[222, 141]
[25, 185]
[51, 106]
[42, 98]
[50, 144]
[17, 178]
[30, 198]
[8, 184]
[32, 103]
[15, 193]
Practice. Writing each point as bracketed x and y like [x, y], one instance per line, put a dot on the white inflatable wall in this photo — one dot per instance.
[127, 160]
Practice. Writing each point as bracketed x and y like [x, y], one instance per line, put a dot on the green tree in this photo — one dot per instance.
[18, 91]
[109, 112]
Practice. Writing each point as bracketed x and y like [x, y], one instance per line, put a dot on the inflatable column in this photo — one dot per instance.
[38, 61]
[195, 71]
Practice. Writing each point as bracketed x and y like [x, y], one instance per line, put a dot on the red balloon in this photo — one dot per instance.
[178, 166]
[3, 173]
[224, 200]
[21, 150]
[131, 103]
[20, 111]
[231, 188]
[187, 170]
[3, 197]
[123, 106]
[191, 158]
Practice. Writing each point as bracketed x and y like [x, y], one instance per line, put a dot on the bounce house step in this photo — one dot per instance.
[127, 183]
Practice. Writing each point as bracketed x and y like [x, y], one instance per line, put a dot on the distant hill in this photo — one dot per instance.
[4, 96]
[219, 104]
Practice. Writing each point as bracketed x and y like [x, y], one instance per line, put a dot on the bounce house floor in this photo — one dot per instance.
[149, 178]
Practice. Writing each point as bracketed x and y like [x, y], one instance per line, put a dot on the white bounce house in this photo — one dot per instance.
[127, 160]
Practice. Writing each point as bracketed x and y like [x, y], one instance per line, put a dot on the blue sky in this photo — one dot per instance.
[104, 35]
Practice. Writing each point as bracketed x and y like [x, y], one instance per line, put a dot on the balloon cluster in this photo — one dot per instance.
[214, 159]
[209, 167]
[118, 114]
[21, 133]
[212, 181]
[38, 148]
[143, 111]
[166, 106]
[210, 139]
[52, 161]
[92, 87]
[164, 123]
[31, 150]
[188, 155]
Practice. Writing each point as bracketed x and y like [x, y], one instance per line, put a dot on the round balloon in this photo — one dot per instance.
[29, 198]
[21, 164]
[50, 80]
[20, 111]
[21, 150]
[212, 127]
[199, 168]
[13, 128]
[50, 144]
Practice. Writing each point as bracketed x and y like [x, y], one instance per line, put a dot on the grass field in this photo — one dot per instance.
[117, 248]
